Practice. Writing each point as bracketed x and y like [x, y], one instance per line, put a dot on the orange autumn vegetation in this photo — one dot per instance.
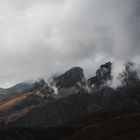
[10, 103]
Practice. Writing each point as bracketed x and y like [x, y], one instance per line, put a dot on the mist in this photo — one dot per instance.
[41, 38]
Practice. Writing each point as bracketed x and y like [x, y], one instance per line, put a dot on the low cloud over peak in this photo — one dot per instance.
[40, 38]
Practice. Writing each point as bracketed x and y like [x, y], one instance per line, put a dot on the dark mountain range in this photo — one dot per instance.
[69, 96]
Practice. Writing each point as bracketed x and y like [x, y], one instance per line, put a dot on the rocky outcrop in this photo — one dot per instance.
[103, 74]
[70, 78]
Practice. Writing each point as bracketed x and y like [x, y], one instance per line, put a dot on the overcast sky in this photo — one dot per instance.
[39, 38]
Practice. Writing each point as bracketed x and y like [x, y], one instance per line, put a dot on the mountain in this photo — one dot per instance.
[21, 88]
[70, 96]
[70, 78]
[103, 74]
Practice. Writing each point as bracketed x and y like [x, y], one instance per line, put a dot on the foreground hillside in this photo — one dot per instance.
[122, 125]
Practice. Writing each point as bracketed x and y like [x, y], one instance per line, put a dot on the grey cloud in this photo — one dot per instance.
[41, 38]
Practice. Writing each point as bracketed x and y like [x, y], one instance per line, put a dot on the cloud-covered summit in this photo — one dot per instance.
[40, 38]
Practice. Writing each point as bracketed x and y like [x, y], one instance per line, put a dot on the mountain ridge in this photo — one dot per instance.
[76, 96]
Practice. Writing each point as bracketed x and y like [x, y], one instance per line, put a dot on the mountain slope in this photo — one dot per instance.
[40, 106]
[120, 125]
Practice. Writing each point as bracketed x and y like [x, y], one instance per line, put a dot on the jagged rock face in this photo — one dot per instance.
[70, 78]
[103, 74]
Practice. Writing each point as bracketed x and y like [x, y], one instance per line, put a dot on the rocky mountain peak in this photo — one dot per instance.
[70, 78]
[103, 74]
